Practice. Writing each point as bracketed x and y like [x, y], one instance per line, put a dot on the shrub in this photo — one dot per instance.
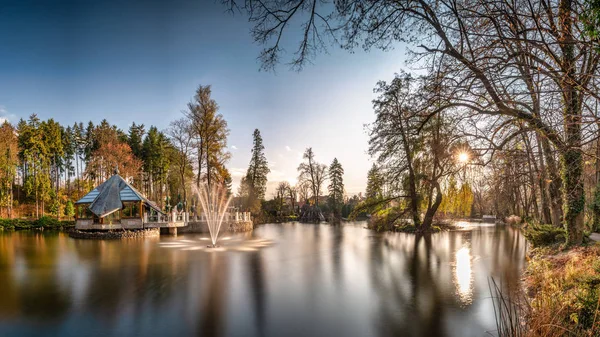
[46, 222]
[69, 209]
[544, 235]
[42, 223]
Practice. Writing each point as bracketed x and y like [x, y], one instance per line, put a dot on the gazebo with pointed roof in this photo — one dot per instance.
[115, 204]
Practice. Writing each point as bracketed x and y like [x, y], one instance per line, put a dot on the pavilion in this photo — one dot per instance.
[115, 204]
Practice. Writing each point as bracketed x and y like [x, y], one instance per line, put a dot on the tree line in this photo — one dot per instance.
[308, 190]
[45, 166]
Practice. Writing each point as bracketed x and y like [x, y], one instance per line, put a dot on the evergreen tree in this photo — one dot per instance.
[256, 176]
[374, 183]
[336, 187]
[135, 139]
[34, 158]
[156, 159]
[69, 149]
[69, 209]
[52, 136]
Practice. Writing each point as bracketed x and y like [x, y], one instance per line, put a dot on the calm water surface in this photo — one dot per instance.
[280, 280]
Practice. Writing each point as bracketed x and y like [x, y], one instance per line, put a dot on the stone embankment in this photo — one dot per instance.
[112, 235]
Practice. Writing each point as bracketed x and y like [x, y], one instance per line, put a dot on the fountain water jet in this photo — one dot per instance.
[214, 201]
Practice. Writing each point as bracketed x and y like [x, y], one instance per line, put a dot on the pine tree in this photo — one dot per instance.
[135, 138]
[336, 187]
[155, 155]
[374, 183]
[256, 176]
[69, 147]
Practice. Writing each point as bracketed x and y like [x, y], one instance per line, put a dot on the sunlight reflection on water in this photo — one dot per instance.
[463, 275]
[224, 244]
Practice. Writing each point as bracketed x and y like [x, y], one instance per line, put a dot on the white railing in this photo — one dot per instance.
[229, 216]
[171, 217]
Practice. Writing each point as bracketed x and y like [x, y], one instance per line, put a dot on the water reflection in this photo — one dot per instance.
[290, 279]
[463, 274]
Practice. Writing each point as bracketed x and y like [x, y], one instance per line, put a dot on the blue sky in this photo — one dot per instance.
[141, 61]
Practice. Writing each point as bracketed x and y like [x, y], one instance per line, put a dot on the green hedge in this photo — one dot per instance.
[544, 235]
[44, 222]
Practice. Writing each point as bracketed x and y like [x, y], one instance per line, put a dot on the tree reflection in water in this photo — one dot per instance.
[280, 280]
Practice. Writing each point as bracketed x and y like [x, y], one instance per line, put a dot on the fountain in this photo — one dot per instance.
[214, 201]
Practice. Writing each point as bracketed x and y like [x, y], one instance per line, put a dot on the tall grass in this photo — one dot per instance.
[562, 298]
[510, 310]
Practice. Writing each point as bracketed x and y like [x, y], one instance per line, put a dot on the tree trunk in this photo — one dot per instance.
[571, 156]
[200, 160]
[532, 166]
[546, 214]
[555, 184]
[428, 220]
[596, 202]
[572, 168]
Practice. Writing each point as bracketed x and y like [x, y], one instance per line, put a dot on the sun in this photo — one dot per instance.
[463, 157]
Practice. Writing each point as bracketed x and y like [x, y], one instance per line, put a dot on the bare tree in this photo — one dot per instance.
[312, 172]
[182, 137]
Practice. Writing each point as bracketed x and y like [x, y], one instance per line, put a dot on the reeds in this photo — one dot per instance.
[510, 310]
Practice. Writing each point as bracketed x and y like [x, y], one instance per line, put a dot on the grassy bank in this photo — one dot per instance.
[563, 288]
[41, 223]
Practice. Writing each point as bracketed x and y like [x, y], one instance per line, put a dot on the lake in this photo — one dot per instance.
[280, 280]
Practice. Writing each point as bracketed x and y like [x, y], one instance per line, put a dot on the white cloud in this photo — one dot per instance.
[237, 172]
[288, 148]
[5, 116]
[234, 147]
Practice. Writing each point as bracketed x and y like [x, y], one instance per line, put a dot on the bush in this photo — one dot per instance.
[544, 235]
[513, 220]
[44, 222]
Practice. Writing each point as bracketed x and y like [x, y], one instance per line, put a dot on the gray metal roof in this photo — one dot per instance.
[110, 195]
